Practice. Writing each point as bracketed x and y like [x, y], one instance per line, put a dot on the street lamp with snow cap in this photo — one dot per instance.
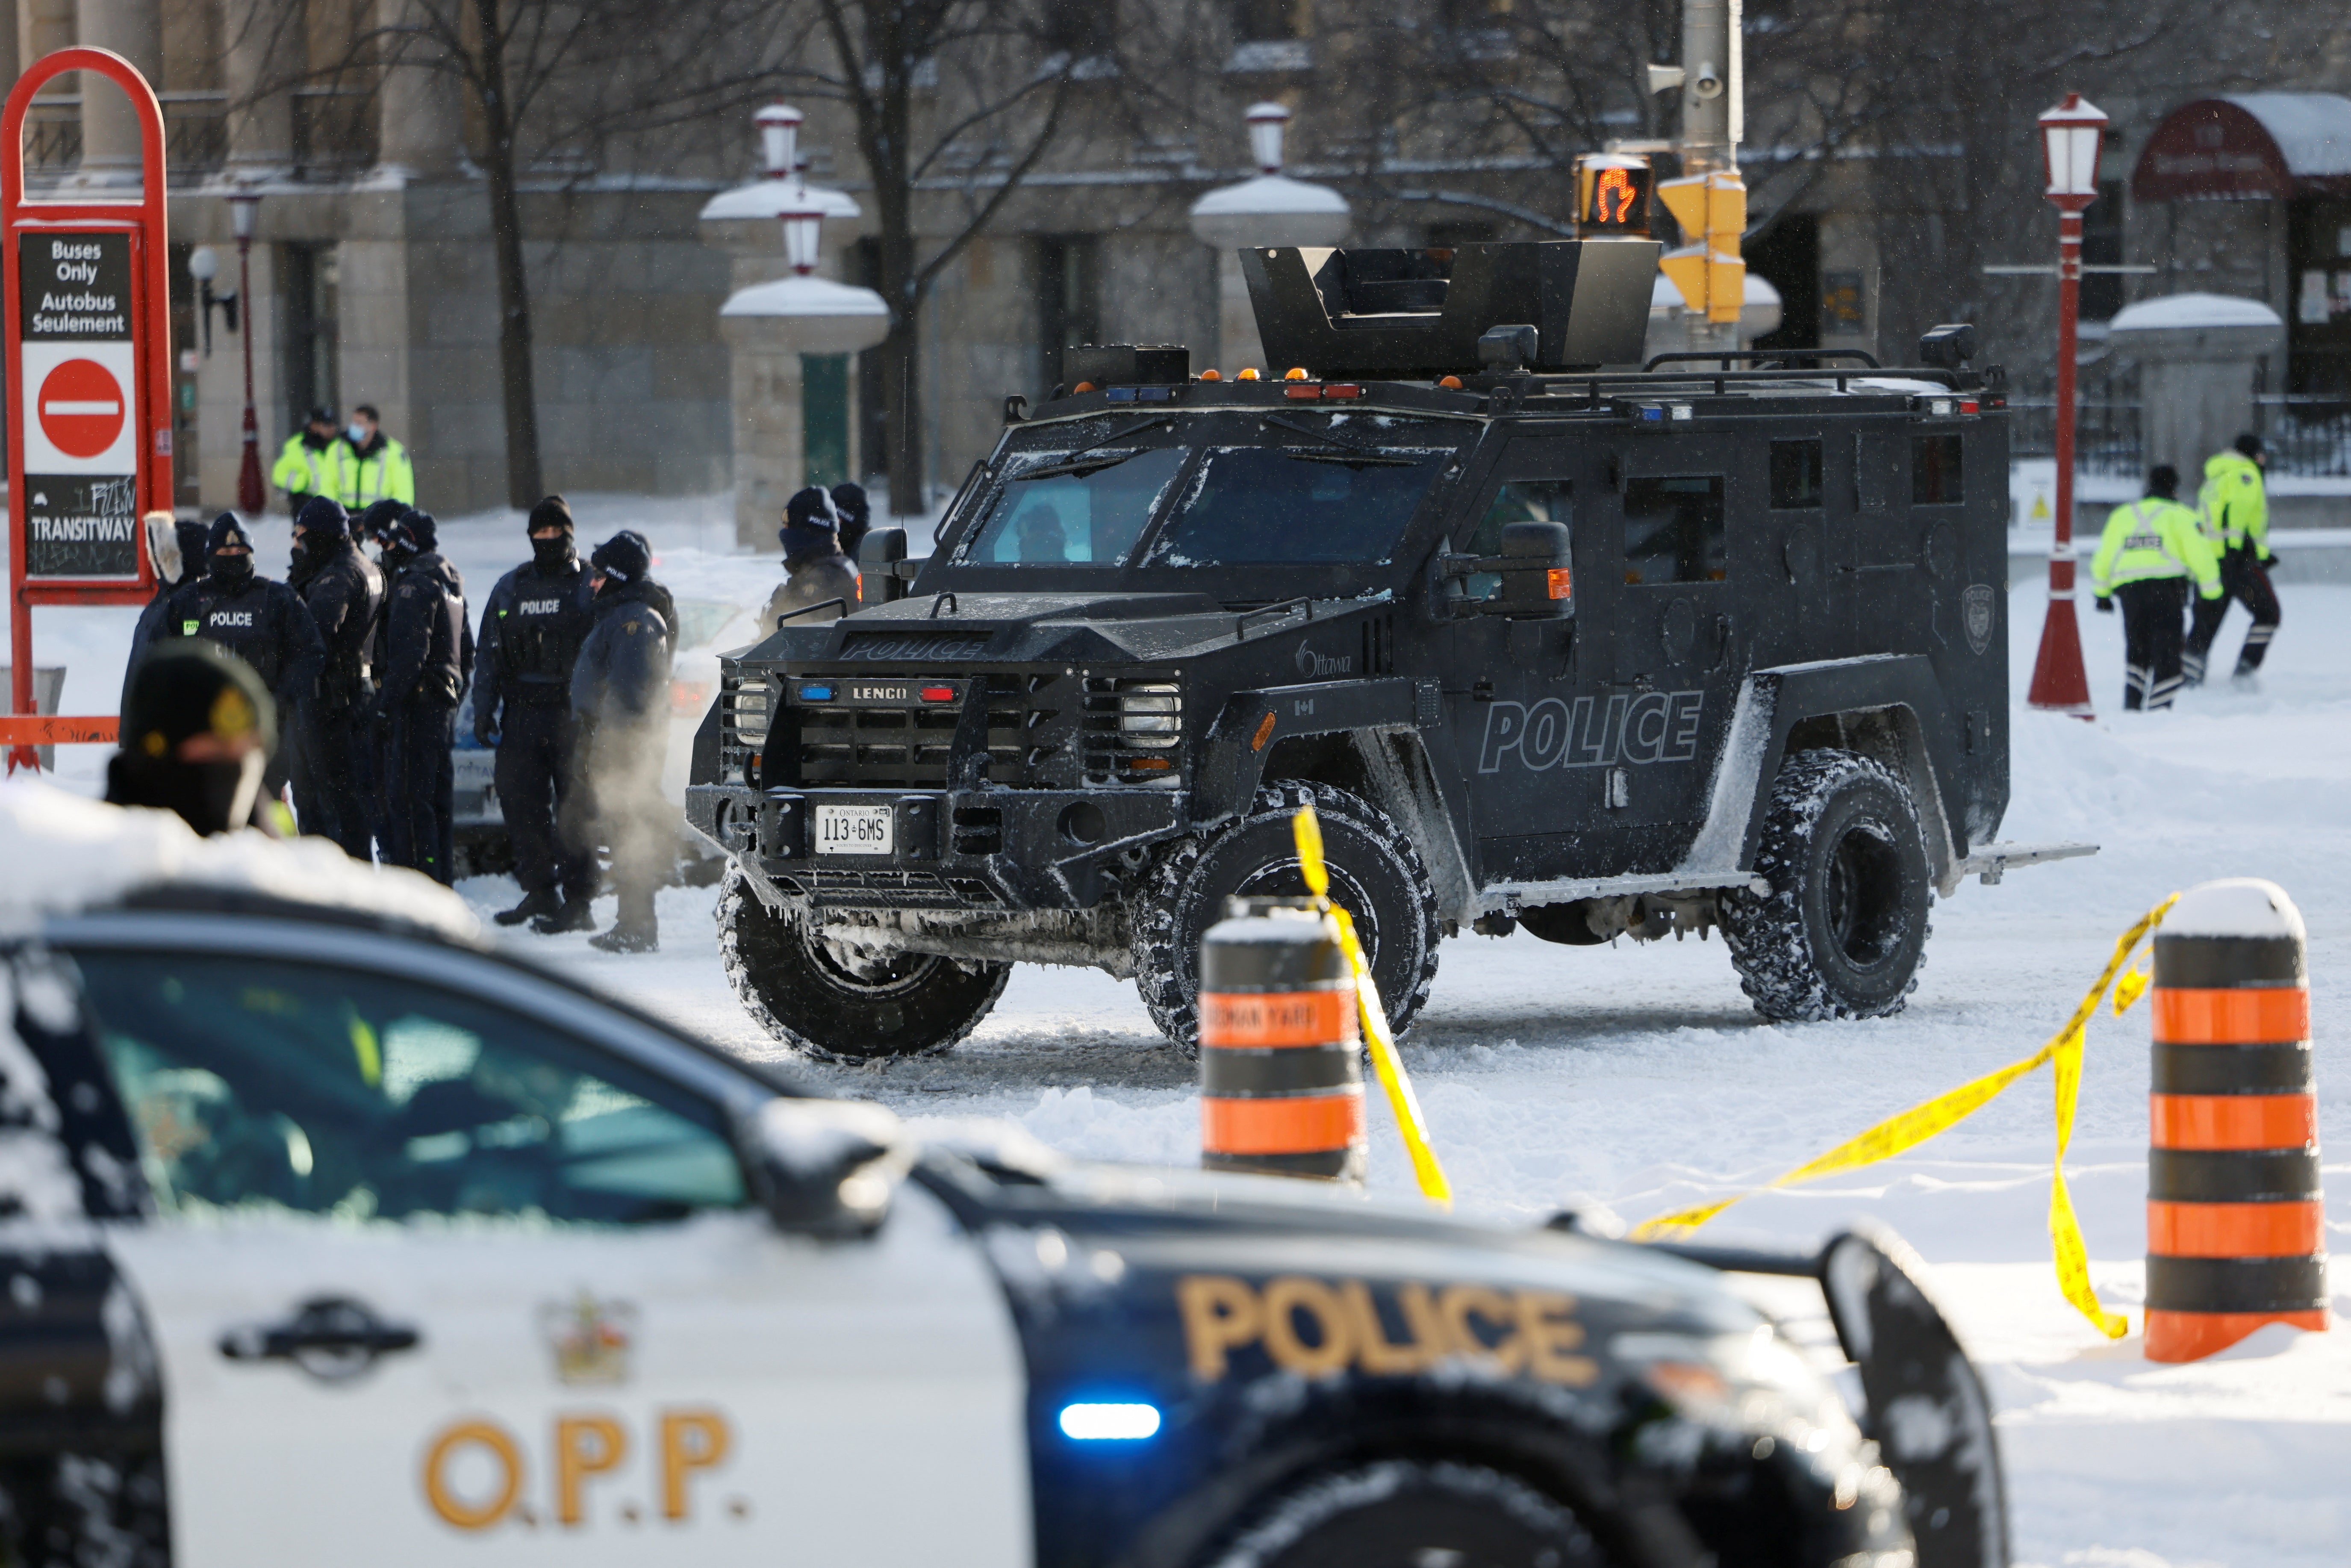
[2070, 138]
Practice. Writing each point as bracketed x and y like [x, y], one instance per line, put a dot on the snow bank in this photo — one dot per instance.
[2193, 310]
[67, 853]
[2235, 906]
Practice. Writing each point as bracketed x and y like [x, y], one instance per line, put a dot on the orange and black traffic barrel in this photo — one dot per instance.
[1281, 1075]
[2235, 1219]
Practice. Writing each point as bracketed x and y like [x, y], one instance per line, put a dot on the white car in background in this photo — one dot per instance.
[706, 627]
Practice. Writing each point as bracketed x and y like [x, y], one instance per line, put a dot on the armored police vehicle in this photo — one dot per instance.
[330, 1236]
[1590, 652]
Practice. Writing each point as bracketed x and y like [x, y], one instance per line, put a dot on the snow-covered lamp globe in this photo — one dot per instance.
[1272, 209]
[783, 180]
[807, 314]
[1268, 211]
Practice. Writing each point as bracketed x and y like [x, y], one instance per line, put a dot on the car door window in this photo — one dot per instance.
[256, 1082]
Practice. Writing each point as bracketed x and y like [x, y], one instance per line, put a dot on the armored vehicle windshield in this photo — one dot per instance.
[1217, 488]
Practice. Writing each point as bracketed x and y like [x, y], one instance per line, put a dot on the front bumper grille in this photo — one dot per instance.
[1039, 730]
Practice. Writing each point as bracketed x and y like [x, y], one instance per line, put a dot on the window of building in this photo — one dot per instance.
[2102, 245]
[1068, 299]
[1796, 474]
[1673, 530]
[1935, 479]
[1270, 21]
[310, 297]
[1787, 256]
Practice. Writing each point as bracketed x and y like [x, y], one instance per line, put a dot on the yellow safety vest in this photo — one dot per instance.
[2152, 538]
[2236, 502]
[306, 470]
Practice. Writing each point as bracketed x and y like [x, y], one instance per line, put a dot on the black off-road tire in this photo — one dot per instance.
[1377, 876]
[793, 989]
[1409, 1514]
[1843, 929]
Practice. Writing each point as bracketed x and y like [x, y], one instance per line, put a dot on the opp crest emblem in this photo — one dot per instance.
[590, 1339]
[1975, 609]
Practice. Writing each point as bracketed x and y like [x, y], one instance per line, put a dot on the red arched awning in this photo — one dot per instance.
[2247, 147]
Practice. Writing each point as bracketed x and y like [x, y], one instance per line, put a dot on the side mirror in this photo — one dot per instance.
[1538, 581]
[826, 1167]
[882, 561]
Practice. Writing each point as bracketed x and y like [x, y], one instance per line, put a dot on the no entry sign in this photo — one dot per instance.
[80, 360]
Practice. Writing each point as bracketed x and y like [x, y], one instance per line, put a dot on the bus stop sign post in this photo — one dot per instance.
[85, 289]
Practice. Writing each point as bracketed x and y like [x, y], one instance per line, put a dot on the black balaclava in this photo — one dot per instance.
[318, 527]
[412, 536]
[231, 571]
[180, 691]
[624, 558]
[2163, 481]
[556, 555]
[372, 526]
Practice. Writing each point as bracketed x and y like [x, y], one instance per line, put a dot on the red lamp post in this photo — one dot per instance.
[250, 495]
[2070, 134]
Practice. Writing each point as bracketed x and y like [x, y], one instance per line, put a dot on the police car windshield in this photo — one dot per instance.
[1297, 504]
[1081, 510]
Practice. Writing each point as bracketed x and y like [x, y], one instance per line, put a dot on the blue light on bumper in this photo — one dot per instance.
[1117, 1423]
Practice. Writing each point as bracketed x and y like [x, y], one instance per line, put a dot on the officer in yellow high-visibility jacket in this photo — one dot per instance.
[375, 467]
[311, 461]
[2236, 505]
[2150, 548]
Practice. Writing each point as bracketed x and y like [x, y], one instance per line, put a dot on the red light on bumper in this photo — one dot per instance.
[938, 694]
[1306, 392]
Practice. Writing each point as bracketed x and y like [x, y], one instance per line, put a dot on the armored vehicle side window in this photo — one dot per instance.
[1935, 471]
[1297, 505]
[1517, 501]
[1795, 474]
[252, 1083]
[1673, 530]
[1088, 512]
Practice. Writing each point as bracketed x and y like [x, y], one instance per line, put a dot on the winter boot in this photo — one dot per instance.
[575, 916]
[533, 905]
[625, 937]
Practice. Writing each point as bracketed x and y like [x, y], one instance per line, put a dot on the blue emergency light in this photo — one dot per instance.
[1112, 1423]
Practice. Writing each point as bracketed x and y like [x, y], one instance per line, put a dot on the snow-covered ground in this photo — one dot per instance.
[1635, 1079]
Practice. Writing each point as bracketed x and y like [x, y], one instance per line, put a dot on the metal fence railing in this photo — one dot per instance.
[2308, 435]
[2107, 439]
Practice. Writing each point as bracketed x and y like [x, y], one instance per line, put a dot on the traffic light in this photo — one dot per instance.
[1712, 210]
[1612, 195]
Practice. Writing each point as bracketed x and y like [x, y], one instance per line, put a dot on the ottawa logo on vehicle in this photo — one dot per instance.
[1311, 663]
[81, 408]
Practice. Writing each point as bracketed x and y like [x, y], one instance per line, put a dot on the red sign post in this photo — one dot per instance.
[89, 305]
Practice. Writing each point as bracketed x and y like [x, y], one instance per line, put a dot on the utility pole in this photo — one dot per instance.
[1709, 199]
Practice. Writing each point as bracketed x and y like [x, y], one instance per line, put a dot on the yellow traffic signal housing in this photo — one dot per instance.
[1712, 210]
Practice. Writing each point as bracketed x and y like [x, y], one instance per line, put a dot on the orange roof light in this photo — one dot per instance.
[1451, 383]
[1081, 386]
[1295, 373]
[1210, 376]
[1248, 375]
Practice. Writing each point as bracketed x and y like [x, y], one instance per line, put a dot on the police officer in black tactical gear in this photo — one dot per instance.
[265, 624]
[620, 696]
[372, 732]
[428, 659]
[197, 730]
[532, 627]
[190, 538]
[344, 591]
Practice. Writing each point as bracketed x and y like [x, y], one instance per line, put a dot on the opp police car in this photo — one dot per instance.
[332, 1236]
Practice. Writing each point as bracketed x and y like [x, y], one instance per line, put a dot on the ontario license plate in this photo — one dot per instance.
[853, 830]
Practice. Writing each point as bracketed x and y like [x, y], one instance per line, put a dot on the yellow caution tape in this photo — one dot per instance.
[1385, 1062]
[1907, 1130]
